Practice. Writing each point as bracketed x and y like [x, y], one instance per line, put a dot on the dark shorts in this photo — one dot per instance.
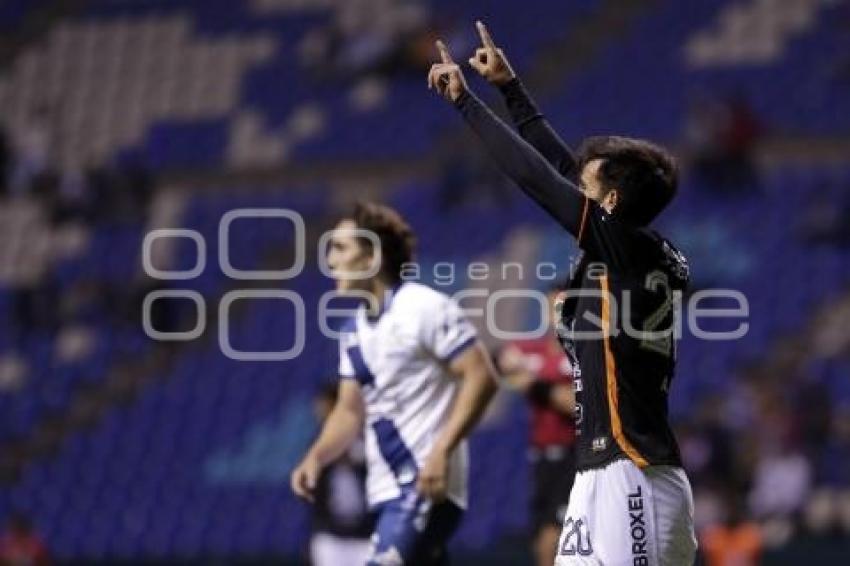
[553, 481]
[414, 530]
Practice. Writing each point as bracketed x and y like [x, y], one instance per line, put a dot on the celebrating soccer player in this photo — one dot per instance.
[631, 502]
[415, 376]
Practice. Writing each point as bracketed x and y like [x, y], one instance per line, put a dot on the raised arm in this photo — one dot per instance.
[516, 157]
[492, 64]
[526, 166]
[535, 129]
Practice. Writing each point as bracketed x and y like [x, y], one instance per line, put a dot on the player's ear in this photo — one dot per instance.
[611, 200]
[374, 264]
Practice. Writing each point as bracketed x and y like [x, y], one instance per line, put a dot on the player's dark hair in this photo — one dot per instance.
[397, 238]
[644, 173]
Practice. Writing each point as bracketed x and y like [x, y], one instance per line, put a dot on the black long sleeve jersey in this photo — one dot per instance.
[617, 319]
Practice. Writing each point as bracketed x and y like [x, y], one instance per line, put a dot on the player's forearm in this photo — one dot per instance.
[338, 433]
[477, 387]
[523, 164]
[556, 396]
[535, 129]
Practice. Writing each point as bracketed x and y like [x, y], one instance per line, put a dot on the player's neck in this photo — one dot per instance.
[381, 291]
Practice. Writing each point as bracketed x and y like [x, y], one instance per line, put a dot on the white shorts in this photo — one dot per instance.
[621, 515]
[330, 550]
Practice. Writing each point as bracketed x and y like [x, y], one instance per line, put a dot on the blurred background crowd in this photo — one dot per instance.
[118, 117]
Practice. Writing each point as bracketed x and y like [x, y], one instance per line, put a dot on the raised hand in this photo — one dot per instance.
[489, 60]
[446, 76]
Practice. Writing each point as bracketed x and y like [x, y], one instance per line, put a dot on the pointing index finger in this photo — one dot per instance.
[445, 56]
[486, 40]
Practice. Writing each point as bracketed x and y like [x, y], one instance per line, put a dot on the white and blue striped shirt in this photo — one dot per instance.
[401, 361]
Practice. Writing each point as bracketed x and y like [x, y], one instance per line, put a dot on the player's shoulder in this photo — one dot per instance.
[671, 258]
[416, 296]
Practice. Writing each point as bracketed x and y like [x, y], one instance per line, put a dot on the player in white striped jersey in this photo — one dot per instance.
[416, 380]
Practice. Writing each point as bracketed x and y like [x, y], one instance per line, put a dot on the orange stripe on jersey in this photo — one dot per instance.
[583, 221]
[611, 382]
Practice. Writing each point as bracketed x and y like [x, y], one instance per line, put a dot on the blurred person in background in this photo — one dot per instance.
[415, 376]
[342, 522]
[540, 370]
[722, 136]
[31, 145]
[742, 134]
[20, 545]
[782, 481]
[734, 542]
[366, 36]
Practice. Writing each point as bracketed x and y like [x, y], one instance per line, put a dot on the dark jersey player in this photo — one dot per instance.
[631, 502]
